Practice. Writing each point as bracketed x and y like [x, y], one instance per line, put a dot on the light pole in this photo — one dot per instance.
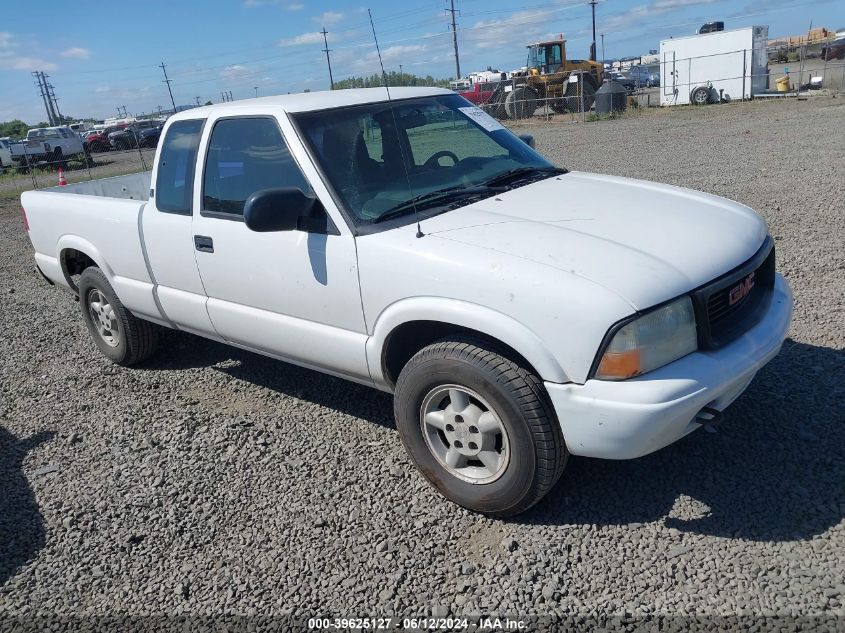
[602, 48]
[593, 4]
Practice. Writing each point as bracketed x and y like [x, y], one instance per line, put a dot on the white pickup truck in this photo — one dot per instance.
[54, 144]
[518, 312]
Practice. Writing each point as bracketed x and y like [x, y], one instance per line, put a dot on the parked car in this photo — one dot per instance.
[53, 144]
[150, 136]
[129, 137]
[644, 76]
[479, 93]
[5, 152]
[834, 50]
[98, 140]
[433, 259]
[625, 80]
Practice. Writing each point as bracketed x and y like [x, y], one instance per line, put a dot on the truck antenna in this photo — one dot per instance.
[396, 127]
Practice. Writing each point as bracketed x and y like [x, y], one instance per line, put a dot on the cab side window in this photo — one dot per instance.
[246, 155]
[175, 179]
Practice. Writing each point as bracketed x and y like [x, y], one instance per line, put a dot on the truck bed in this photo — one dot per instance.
[100, 218]
[128, 187]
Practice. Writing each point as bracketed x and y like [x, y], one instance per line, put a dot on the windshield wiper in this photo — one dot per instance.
[434, 197]
[516, 172]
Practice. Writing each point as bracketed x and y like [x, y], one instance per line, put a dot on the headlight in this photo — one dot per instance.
[650, 341]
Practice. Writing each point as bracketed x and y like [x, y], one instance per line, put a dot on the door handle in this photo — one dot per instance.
[203, 243]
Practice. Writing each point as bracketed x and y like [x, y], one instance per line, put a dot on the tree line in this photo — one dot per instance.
[393, 79]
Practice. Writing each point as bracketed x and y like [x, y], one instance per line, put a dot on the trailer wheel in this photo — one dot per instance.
[700, 96]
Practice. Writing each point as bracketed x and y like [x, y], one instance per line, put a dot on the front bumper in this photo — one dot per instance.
[628, 419]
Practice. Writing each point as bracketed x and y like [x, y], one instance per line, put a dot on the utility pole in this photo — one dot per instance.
[455, 39]
[230, 96]
[167, 81]
[326, 50]
[198, 100]
[223, 96]
[51, 96]
[256, 90]
[43, 93]
[602, 49]
[593, 4]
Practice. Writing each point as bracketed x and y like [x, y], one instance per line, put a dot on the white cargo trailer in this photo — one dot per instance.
[723, 64]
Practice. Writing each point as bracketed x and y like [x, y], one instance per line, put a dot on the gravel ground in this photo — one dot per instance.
[212, 481]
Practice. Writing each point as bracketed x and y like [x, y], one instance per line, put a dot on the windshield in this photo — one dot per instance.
[385, 159]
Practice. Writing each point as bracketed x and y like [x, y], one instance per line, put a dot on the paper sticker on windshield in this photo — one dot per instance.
[482, 118]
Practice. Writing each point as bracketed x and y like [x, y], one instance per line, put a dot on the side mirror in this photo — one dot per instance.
[528, 139]
[277, 209]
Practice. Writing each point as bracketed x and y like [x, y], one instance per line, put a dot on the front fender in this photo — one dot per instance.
[463, 314]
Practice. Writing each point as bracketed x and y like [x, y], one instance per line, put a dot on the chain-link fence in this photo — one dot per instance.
[55, 156]
[700, 80]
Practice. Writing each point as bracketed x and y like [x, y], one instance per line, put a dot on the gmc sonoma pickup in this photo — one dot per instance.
[518, 312]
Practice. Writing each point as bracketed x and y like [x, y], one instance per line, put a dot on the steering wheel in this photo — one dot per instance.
[434, 160]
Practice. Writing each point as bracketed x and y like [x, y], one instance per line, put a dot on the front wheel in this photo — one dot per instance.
[479, 426]
[120, 335]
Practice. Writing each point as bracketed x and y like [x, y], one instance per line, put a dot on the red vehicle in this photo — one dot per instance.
[479, 93]
[98, 140]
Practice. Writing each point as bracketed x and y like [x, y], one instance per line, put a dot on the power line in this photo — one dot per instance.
[455, 39]
[167, 81]
[328, 59]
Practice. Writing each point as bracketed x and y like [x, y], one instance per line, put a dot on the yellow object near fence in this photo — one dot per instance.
[783, 84]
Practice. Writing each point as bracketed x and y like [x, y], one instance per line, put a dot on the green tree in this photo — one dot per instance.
[13, 129]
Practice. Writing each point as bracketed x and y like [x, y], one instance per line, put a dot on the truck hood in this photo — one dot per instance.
[644, 241]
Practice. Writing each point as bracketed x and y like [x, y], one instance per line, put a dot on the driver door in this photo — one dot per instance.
[289, 294]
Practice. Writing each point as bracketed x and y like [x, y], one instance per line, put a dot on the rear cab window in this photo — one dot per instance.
[175, 177]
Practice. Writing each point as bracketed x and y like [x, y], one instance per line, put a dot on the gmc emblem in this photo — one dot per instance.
[741, 290]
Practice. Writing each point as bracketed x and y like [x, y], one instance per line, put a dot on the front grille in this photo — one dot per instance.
[732, 304]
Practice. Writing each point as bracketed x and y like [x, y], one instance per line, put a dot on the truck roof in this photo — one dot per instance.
[310, 101]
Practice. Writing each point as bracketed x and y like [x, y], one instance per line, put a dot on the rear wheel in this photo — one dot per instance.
[479, 426]
[120, 335]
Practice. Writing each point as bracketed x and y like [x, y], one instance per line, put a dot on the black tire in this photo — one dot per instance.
[58, 159]
[521, 103]
[559, 107]
[135, 339]
[573, 95]
[537, 450]
[700, 96]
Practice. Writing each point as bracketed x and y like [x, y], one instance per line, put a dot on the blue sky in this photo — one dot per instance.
[101, 54]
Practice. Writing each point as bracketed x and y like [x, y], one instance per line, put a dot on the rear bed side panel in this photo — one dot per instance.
[105, 229]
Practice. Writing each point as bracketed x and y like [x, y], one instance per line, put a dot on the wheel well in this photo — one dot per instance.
[409, 338]
[73, 263]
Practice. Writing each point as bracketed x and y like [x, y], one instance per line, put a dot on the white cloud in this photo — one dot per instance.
[235, 71]
[329, 17]
[304, 38]
[9, 59]
[77, 53]
[643, 14]
[102, 89]
[289, 6]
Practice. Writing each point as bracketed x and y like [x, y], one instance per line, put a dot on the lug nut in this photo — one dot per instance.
[459, 419]
[473, 429]
[450, 428]
[458, 444]
[473, 445]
